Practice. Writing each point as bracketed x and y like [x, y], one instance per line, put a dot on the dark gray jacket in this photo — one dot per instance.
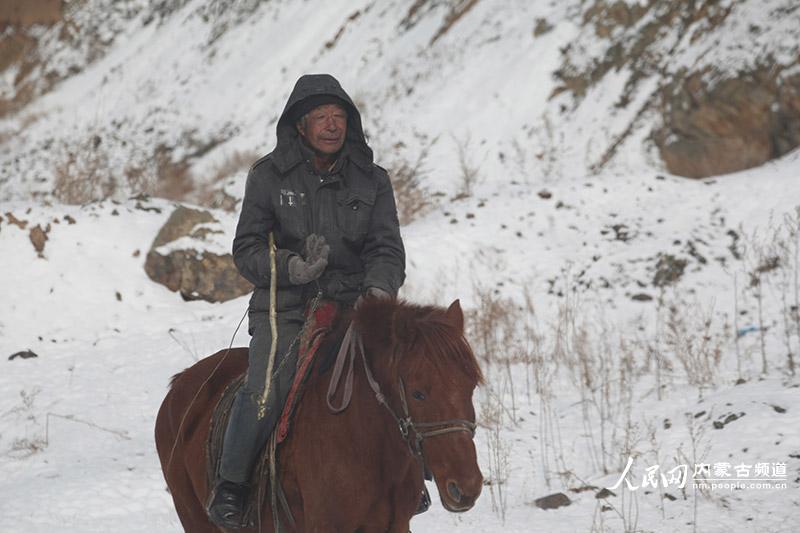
[353, 207]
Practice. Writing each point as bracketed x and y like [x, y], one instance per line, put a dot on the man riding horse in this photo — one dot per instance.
[331, 214]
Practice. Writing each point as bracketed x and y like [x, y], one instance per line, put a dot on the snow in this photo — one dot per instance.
[213, 240]
[76, 422]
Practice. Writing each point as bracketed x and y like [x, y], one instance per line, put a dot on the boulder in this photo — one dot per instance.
[38, 237]
[552, 501]
[187, 256]
[730, 125]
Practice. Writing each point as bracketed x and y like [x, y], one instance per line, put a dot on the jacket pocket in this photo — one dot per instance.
[354, 209]
[290, 212]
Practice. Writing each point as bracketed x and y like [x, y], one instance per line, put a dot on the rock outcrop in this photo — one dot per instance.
[186, 257]
[29, 12]
[722, 91]
[732, 125]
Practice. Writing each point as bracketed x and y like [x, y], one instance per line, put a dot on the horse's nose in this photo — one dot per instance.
[464, 494]
[454, 491]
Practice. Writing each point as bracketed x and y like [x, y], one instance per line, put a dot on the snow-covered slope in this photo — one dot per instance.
[76, 421]
[613, 310]
[523, 91]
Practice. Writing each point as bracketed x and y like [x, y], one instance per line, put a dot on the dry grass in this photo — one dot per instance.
[469, 170]
[25, 447]
[83, 173]
[582, 359]
[784, 251]
[690, 338]
[600, 364]
[86, 171]
[697, 454]
[766, 286]
[212, 191]
[174, 180]
[491, 328]
[236, 162]
[413, 199]
[513, 345]
[499, 452]
[102, 165]
[25, 412]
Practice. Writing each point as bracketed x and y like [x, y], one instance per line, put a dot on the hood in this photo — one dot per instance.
[287, 152]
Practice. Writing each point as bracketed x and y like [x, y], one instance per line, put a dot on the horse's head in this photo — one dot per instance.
[429, 374]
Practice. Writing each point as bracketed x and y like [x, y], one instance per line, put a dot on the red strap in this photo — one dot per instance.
[322, 321]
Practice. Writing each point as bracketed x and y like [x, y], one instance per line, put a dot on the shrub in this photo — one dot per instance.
[413, 199]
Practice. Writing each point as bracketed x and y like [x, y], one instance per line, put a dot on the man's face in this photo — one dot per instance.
[324, 128]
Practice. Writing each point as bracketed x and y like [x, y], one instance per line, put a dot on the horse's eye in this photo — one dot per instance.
[418, 395]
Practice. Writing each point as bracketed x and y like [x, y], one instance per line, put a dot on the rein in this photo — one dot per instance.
[353, 343]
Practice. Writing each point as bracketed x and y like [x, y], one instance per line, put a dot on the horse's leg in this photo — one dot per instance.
[379, 519]
[188, 506]
[178, 482]
[406, 497]
[393, 513]
[325, 512]
[191, 510]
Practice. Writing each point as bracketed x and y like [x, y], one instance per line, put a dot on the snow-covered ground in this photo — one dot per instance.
[76, 422]
[601, 364]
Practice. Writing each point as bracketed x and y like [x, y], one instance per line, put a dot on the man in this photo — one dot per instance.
[333, 216]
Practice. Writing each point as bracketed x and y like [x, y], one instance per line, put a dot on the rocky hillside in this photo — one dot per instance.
[714, 84]
[111, 98]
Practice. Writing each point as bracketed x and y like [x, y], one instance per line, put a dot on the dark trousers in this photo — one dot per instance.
[246, 435]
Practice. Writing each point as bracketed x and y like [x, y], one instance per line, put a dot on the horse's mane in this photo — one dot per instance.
[398, 321]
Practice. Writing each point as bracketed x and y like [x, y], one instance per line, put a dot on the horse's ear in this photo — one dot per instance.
[454, 316]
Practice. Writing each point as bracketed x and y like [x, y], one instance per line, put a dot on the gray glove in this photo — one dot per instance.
[316, 259]
[372, 292]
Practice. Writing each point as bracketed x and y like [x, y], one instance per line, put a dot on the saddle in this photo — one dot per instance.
[318, 324]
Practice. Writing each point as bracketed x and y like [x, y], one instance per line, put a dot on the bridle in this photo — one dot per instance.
[421, 430]
[353, 343]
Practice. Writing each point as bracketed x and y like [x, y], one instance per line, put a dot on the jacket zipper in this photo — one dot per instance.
[307, 204]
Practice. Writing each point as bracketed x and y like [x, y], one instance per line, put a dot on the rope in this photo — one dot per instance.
[273, 479]
[186, 412]
[346, 352]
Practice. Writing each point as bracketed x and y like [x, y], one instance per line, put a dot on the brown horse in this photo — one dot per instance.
[362, 469]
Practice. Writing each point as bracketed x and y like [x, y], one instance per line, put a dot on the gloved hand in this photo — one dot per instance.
[372, 292]
[316, 259]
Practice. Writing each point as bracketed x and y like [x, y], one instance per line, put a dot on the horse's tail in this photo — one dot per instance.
[164, 428]
[175, 378]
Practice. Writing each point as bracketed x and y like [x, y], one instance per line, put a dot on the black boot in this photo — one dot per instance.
[424, 502]
[226, 508]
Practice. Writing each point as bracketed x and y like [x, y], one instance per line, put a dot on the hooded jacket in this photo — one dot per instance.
[353, 207]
